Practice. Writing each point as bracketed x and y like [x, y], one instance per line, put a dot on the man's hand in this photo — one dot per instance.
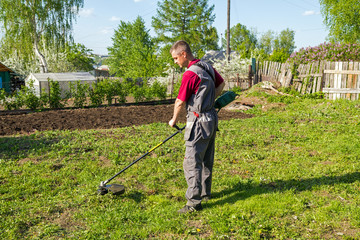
[172, 123]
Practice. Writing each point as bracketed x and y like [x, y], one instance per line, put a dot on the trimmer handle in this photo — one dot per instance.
[179, 129]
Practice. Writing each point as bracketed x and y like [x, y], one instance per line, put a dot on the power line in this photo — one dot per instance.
[295, 5]
[317, 6]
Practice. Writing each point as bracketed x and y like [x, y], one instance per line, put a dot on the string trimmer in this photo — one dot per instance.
[118, 189]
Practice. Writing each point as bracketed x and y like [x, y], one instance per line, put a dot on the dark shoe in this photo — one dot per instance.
[205, 198]
[188, 209]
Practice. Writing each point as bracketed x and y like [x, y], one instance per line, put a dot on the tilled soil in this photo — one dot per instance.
[94, 118]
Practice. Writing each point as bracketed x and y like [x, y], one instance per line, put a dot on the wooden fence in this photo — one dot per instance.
[335, 79]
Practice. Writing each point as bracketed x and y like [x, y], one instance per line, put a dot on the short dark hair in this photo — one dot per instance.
[180, 46]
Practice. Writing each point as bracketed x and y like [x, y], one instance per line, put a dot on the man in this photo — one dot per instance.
[200, 86]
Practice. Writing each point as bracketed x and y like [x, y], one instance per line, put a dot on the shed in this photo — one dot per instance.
[41, 81]
[5, 78]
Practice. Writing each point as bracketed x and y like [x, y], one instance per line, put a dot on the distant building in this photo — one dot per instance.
[102, 72]
[41, 81]
[213, 55]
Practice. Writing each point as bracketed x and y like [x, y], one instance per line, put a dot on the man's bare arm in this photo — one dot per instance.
[177, 108]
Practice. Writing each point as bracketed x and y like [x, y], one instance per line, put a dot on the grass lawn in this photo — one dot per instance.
[291, 172]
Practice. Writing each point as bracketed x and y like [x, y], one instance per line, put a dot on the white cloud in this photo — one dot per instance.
[310, 13]
[89, 12]
[107, 30]
[137, 0]
[115, 19]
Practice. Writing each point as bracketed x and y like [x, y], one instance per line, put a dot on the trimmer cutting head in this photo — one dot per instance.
[115, 189]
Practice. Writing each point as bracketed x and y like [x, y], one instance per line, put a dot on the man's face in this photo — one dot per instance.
[180, 59]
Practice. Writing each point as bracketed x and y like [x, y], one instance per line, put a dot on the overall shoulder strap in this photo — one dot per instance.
[206, 70]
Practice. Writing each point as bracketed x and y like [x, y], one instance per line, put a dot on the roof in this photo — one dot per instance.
[4, 68]
[103, 68]
[213, 55]
[72, 76]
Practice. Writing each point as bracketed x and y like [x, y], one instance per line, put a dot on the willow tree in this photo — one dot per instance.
[342, 17]
[189, 20]
[32, 25]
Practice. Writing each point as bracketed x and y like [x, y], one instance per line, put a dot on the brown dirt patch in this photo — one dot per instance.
[94, 118]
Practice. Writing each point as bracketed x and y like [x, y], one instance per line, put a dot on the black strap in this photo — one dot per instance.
[203, 68]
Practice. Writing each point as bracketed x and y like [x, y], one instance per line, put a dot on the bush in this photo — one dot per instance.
[10, 101]
[327, 51]
[120, 91]
[158, 90]
[78, 92]
[97, 93]
[109, 90]
[55, 95]
[279, 55]
[30, 100]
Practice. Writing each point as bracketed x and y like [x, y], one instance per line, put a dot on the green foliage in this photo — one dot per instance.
[278, 47]
[242, 40]
[30, 100]
[113, 91]
[158, 90]
[283, 174]
[97, 93]
[79, 56]
[237, 90]
[279, 55]
[285, 41]
[132, 54]
[55, 95]
[177, 86]
[78, 92]
[266, 42]
[138, 91]
[10, 101]
[189, 20]
[31, 28]
[342, 19]
[120, 91]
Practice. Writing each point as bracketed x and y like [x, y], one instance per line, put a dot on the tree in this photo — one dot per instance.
[342, 17]
[70, 58]
[132, 54]
[266, 42]
[285, 41]
[79, 56]
[242, 40]
[32, 25]
[188, 20]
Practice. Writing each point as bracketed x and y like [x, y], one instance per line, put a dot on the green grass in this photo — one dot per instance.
[292, 172]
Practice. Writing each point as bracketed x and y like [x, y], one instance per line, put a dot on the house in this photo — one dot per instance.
[102, 71]
[5, 77]
[41, 81]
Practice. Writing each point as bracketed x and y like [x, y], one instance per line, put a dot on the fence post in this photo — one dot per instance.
[48, 88]
[250, 75]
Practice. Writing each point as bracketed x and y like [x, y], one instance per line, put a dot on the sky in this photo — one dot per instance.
[97, 20]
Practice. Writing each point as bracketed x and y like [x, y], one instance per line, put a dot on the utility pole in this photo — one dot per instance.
[228, 33]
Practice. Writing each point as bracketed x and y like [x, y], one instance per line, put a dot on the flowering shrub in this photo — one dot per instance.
[237, 65]
[327, 51]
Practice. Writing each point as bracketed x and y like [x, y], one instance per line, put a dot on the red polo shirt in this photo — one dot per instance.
[190, 83]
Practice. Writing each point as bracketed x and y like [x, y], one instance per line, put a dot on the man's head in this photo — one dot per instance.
[181, 53]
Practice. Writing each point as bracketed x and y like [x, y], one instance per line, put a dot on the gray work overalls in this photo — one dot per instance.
[200, 131]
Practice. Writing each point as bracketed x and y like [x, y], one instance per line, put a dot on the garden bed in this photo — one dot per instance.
[27, 122]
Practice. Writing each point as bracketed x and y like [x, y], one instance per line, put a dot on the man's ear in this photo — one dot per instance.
[184, 54]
